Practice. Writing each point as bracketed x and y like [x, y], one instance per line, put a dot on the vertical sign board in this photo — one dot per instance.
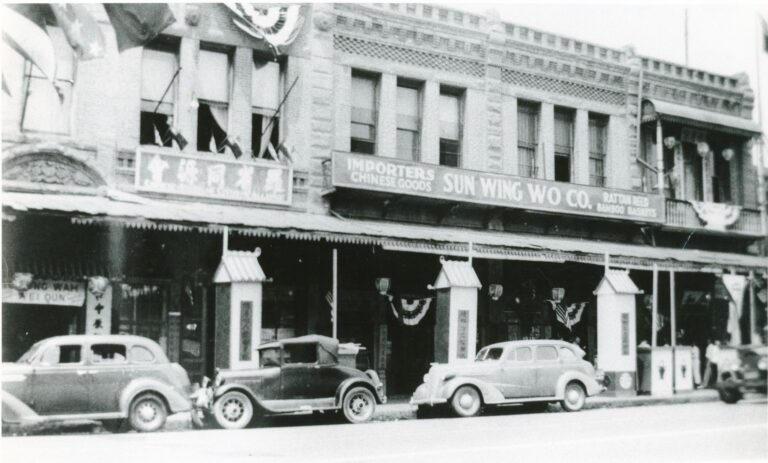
[98, 312]
[246, 321]
[173, 350]
[625, 334]
[462, 334]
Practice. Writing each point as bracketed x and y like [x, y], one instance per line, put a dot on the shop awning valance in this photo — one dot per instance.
[664, 110]
[139, 212]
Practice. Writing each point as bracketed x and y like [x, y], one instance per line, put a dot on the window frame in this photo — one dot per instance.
[266, 114]
[564, 151]
[59, 346]
[169, 106]
[460, 96]
[415, 154]
[598, 157]
[372, 124]
[92, 356]
[530, 148]
[225, 105]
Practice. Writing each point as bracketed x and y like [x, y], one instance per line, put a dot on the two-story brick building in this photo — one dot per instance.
[404, 132]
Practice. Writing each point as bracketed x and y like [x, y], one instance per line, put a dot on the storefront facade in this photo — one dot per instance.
[403, 133]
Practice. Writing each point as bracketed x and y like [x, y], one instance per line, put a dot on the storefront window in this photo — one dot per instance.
[141, 309]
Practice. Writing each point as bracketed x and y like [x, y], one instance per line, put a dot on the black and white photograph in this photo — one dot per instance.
[384, 232]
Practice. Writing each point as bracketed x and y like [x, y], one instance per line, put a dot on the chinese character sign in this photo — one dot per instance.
[98, 311]
[212, 177]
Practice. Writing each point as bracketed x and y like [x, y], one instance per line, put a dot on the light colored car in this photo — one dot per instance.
[109, 378]
[510, 373]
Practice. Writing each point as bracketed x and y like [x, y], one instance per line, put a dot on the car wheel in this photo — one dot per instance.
[574, 397]
[233, 410]
[466, 401]
[729, 395]
[359, 405]
[148, 413]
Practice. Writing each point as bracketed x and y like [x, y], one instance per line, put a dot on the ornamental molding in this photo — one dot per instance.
[51, 168]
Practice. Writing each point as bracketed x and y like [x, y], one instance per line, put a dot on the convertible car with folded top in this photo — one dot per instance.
[295, 376]
[514, 372]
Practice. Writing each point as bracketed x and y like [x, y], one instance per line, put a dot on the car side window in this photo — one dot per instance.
[546, 353]
[523, 354]
[567, 354]
[299, 353]
[108, 353]
[140, 354]
[57, 355]
[269, 357]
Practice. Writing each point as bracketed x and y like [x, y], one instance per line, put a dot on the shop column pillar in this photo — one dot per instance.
[616, 337]
[456, 317]
[238, 281]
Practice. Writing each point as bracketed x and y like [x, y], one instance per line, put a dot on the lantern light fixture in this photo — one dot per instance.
[702, 148]
[495, 290]
[728, 154]
[558, 294]
[382, 285]
[670, 142]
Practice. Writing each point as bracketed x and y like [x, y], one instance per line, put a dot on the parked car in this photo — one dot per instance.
[742, 369]
[510, 373]
[96, 377]
[295, 376]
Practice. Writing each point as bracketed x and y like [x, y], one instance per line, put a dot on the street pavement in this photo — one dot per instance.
[711, 431]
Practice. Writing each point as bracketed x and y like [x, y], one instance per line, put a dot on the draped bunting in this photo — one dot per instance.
[570, 315]
[413, 310]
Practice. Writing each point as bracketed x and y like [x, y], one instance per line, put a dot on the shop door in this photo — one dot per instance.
[196, 300]
[61, 384]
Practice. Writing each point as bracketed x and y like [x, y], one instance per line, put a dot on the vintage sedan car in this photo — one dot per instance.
[109, 378]
[740, 370]
[511, 373]
[295, 376]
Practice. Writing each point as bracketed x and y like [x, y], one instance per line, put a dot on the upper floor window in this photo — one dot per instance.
[721, 179]
[563, 144]
[408, 120]
[47, 107]
[159, 72]
[363, 114]
[693, 168]
[213, 78]
[598, 139]
[451, 115]
[265, 99]
[527, 139]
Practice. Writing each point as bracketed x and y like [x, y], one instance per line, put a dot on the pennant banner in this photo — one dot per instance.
[276, 25]
[570, 315]
[413, 310]
[138, 23]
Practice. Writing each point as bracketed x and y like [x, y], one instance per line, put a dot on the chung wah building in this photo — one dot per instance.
[377, 156]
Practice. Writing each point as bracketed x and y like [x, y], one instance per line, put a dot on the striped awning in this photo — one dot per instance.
[168, 215]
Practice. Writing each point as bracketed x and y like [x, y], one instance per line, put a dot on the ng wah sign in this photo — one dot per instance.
[171, 173]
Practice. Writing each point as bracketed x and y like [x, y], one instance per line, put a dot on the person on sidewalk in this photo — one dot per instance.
[713, 356]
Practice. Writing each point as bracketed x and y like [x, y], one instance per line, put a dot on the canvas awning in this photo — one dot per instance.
[138, 212]
[664, 110]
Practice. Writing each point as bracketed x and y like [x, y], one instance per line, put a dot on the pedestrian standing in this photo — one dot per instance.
[713, 356]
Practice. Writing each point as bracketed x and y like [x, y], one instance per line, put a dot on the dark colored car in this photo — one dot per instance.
[109, 378]
[742, 369]
[295, 376]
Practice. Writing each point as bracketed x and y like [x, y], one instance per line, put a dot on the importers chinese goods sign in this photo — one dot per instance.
[451, 184]
[210, 177]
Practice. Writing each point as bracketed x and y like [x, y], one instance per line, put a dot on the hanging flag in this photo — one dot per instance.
[26, 35]
[233, 145]
[174, 134]
[570, 315]
[276, 25]
[329, 300]
[138, 23]
[82, 31]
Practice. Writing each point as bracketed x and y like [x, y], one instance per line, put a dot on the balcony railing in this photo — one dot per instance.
[681, 214]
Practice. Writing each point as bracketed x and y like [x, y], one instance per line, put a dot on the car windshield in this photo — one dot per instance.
[269, 357]
[30, 354]
[489, 353]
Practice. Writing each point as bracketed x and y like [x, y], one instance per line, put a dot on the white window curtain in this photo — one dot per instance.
[450, 109]
[265, 85]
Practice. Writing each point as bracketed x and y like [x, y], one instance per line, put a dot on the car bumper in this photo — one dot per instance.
[422, 397]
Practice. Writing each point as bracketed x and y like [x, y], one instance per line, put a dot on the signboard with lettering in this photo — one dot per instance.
[462, 334]
[452, 184]
[47, 292]
[213, 177]
[98, 312]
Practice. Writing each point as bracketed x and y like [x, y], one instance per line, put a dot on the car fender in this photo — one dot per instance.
[224, 388]
[176, 401]
[17, 412]
[490, 394]
[348, 383]
[591, 385]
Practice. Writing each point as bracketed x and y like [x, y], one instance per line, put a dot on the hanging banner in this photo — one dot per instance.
[570, 315]
[413, 310]
[213, 177]
[735, 285]
[451, 184]
[98, 307]
[45, 292]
